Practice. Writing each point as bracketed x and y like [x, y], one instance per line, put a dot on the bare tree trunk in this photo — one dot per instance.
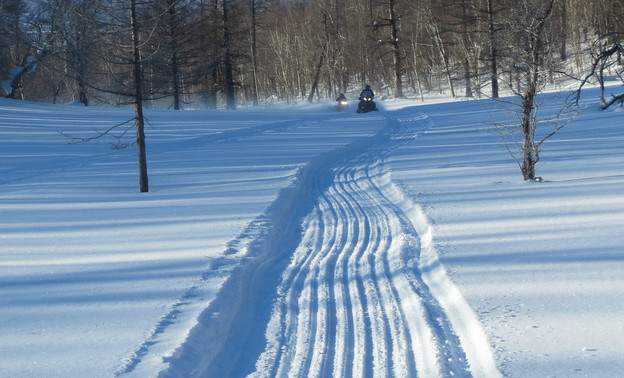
[81, 72]
[564, 30]
[415, 70]
[530, 153]
[316, 76]
[396, 52]
[228, 64]
[254, 53]
[213, 90]
[467, 77]
[138, 99]
[493, 50]
[439, 44]
[175, 67]
[447, 68]
[467, 47]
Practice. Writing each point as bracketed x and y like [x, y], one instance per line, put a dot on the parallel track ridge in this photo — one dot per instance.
[363, 293]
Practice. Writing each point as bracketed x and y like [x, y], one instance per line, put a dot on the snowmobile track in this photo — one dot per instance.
[362, 294]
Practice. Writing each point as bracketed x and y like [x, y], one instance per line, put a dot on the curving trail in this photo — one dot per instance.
[362, 294]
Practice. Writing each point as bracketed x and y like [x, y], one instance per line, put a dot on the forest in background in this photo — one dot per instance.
[212, 53]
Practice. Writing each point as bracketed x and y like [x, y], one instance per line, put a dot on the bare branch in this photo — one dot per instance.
[100, 134]
[601, 60]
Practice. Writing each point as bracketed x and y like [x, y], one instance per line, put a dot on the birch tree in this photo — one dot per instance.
[529, 25]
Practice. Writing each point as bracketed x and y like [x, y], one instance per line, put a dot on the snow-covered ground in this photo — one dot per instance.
[305, 241]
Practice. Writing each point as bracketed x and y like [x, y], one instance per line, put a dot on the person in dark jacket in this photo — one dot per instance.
[367, 93]
[366, 101]
[343, 103]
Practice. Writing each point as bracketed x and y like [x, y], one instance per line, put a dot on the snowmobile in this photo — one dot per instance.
[366, 105]
[343, 103]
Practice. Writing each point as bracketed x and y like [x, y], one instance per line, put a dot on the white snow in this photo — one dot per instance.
[305, 241]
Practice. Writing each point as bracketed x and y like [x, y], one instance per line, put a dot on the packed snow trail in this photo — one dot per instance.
[360, 291]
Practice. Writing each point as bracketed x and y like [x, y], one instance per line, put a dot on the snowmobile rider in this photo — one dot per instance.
[343, 103]
[366, 101]
[366, 93]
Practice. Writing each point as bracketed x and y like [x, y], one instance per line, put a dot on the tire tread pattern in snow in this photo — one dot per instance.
[362, 294]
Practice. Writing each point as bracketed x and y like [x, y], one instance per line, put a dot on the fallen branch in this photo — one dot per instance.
[614, 99]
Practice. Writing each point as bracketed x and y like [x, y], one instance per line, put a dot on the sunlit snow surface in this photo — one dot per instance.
[97, 279]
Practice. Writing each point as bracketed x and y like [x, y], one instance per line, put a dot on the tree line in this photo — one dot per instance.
[228, 52]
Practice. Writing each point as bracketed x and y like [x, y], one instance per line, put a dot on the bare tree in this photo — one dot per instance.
[173, 66]
[397, 67]
[272, 49]
[214, 38]
[530, 152]
[493, 47]
[459, 22]
[128, 25]
[25, 43]
[254, 9]
[228, 59]
[605, 59]
[173, 32]
[440, 46]
[121, 25]
[10, 28]
[73, 23]
[391, 22]
[137, 75]
[532, 52]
